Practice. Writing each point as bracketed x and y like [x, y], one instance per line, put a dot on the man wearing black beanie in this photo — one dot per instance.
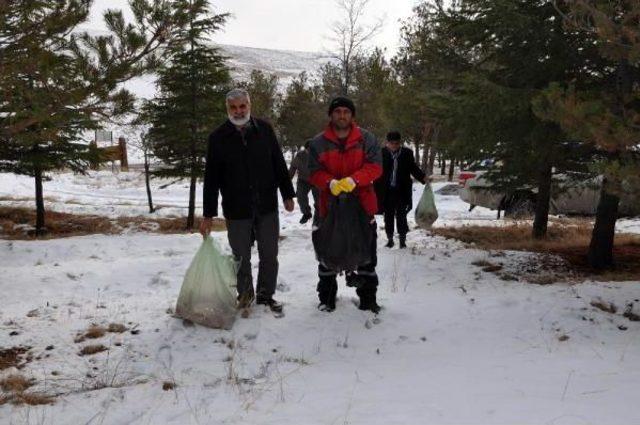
[342, 102]
[346, 159]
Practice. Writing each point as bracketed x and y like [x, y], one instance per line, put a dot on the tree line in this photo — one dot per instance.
[541, 87]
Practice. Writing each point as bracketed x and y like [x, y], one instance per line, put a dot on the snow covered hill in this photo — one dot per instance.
[243, 60]
[283, 63]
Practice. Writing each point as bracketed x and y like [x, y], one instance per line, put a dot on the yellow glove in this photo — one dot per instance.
[335, 187]
[347, 184]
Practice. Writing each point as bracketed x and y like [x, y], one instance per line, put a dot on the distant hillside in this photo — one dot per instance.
[285, 64]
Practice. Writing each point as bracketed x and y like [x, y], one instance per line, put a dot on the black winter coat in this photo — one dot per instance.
[247, 168]
[407, 167]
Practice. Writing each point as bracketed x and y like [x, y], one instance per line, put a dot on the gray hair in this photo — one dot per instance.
[238, 93]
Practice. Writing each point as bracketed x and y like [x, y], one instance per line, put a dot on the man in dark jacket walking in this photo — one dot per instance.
[246, 166]
[395, 187]
[346, 158]
[300, 164]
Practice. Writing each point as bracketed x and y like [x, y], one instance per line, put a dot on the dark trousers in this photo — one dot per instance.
[364, 279]
[302, 194]
[266, 230]
[395, 210]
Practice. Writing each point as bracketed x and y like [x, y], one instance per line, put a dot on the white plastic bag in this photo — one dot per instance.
[426, 212]
[207, 293]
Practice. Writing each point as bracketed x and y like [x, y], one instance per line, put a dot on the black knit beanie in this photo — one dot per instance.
[342, 101]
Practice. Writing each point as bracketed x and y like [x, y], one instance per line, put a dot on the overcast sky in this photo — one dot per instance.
[288, 24]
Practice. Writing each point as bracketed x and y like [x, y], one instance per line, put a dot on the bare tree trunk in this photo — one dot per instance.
[452, 165]
[431, 133]
[443, 165]
[416, 141]
[432, 160]
[347, 78]
[147, 181]
[600, 254]
[40, 230]
[194, 159]
[192, 201]
[601, 247]
[541, 219]
[425, 157]
[350, 34]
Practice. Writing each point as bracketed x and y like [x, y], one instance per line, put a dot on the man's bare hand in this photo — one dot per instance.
[289, 205]
[205, 226]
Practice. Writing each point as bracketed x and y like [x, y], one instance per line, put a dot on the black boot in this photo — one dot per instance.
[305, 218]
[273, 305]
[368, 300]
[327, 292]
[403, 241]
[390, 242]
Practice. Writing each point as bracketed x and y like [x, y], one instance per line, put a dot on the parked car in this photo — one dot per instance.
[568, 196]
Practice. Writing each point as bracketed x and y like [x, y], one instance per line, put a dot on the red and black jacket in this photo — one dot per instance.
[358, 157]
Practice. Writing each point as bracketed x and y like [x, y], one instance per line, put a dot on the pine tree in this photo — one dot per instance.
[372, 87]
[429, 73]
[372, 83]
[331, 84]
[603, 108]
[263, 90]
[494, 57]
[192, 84]
[302, 113]
[57, 83]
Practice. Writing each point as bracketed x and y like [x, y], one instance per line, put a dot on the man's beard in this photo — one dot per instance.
[239, 121]
[341, 125]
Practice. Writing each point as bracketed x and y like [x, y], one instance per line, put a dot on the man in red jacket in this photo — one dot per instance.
[346, 158]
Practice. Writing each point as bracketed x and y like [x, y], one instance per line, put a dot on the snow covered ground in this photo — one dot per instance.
[453, 345]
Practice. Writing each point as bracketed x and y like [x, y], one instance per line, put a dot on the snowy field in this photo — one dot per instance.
[453, 344]
[123, 194]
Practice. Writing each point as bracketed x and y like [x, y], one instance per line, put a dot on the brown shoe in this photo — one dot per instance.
[245, 299]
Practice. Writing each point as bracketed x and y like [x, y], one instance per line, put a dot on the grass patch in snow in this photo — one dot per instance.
[117, 328]
[567, 239]
[97, 331]
[166, 386]
[14, 383]
[29, 398]
[93, 332]
[517, 237]
[89, 350]
[17, 224]
[32, 399]
[16, 357]
[14, 390]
